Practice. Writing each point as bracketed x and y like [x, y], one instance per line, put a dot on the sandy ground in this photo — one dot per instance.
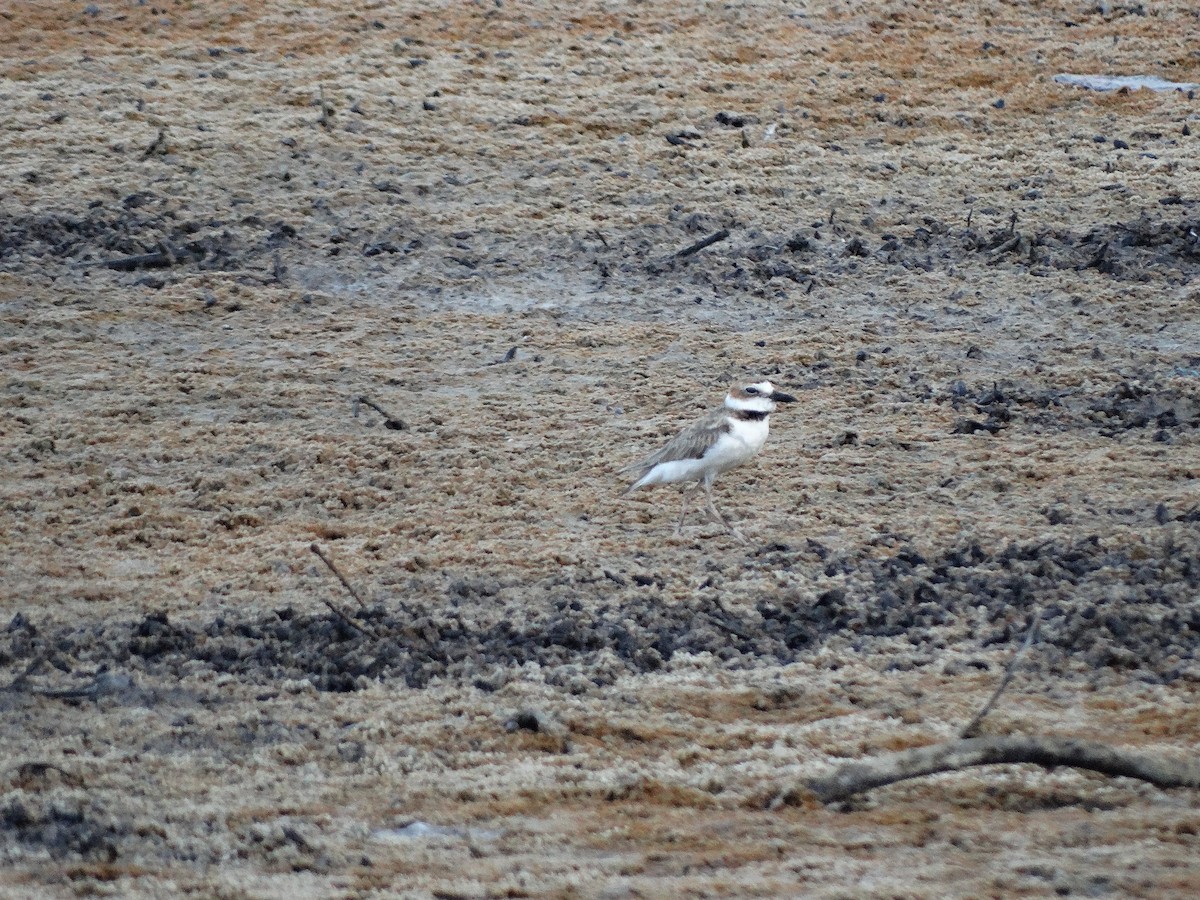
[224, 225]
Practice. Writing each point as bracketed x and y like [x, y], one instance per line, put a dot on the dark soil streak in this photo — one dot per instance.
[1102, 608]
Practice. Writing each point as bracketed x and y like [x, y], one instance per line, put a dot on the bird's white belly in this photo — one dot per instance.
[676, 470]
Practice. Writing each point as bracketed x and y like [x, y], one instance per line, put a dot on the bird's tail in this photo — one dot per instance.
[637, 482]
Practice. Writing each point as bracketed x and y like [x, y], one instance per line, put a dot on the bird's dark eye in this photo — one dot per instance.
[751, 390]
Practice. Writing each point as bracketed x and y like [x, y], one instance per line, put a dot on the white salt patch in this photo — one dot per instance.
[417, 830]
[1116, 82]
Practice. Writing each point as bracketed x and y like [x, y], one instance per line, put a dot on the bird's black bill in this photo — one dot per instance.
[780, 397]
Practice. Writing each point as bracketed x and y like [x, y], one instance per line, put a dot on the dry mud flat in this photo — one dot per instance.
[222, 224]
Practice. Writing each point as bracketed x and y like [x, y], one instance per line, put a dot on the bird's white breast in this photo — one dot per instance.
[742, 441]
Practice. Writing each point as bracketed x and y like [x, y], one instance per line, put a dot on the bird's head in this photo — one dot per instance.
[760, 397]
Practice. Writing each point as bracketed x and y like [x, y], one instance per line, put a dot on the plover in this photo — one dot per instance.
[723, 438]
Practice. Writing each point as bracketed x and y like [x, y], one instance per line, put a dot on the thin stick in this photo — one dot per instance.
[389, 421]
[700, 245]
[345, 618]
[728, 626]
[1030, 637]
[340, 577]
[855, 778]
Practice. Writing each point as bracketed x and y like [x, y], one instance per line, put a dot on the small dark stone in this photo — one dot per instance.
[970, 426]
[681, 138]
[733, 120]
[525, 720]
[856, 248]
[1058, 515]
[1120, 144]
[999, 104]
[1099, 139]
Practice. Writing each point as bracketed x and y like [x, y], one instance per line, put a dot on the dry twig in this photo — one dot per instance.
[340, 577]
[389, 421]
[349, 587]
[1030, 636]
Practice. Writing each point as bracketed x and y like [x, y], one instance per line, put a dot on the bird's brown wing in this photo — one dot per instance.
[691, 443]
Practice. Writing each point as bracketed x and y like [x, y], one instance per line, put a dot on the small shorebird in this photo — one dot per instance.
[723, 438]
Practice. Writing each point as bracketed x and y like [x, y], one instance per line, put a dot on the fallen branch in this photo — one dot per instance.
[1030, 636]
[857, 777]
[700, 245]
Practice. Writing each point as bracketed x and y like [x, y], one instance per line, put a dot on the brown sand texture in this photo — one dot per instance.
[404, 280]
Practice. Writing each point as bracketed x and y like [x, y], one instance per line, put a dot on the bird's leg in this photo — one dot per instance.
[712, 508]
[683, 513]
